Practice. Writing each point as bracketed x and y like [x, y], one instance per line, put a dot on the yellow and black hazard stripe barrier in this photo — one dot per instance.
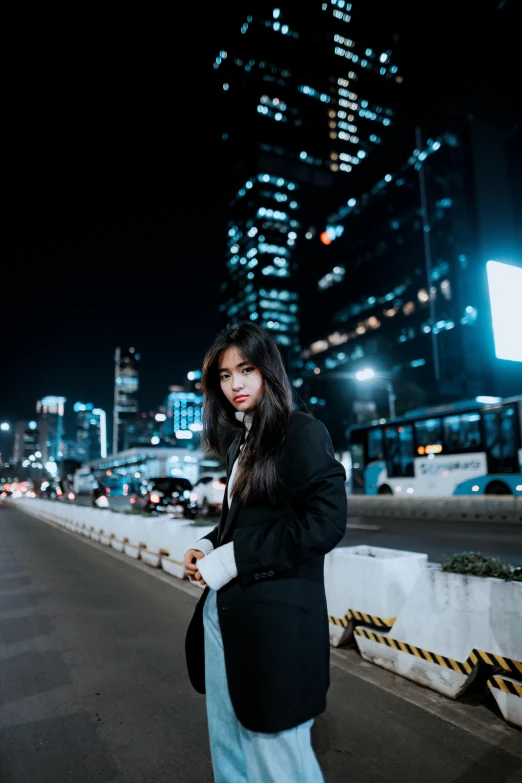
[475, 658]
[508, 686]
[354, 617]
[440, 660]
[507, 665]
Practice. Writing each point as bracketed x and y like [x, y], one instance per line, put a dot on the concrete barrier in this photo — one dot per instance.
[185, 536]
[450, 626]
[159, 542]
[508, 695]
[458, 508]
[367, 585]
[154, 536]
[133, 534]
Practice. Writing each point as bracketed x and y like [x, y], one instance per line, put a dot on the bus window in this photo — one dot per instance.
[462, 433]
[428, 435]
[375, 444]
[501, 441]
[399, 451]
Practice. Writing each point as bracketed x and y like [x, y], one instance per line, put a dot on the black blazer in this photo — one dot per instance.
[273, 615]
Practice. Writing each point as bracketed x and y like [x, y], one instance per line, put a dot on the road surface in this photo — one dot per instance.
[438, 538]
[93, 684]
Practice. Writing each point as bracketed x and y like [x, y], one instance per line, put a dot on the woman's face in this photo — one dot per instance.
[241, 382]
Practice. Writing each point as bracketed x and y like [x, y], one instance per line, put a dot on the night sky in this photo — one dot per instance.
[112, 224]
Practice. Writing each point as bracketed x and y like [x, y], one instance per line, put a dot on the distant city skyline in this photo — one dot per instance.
[113, 235]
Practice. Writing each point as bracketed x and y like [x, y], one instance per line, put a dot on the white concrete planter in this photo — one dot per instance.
[117, 543]
[444, 620]
[131, 550]
[508, 695]
[367, 584]
[181, 537]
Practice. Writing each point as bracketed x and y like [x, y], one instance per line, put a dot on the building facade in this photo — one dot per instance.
[50, 412]
[294, 129]
[183, 417]
[90, 432]
[403, 289]
[26, 441]
[126, 387]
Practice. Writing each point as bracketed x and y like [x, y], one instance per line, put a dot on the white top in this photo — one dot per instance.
[218, 567]
[247, 421]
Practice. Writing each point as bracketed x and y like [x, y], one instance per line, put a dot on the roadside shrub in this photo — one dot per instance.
[477, 564]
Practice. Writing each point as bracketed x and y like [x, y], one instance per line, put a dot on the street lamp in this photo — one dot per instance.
[368, 375]
[4, 426]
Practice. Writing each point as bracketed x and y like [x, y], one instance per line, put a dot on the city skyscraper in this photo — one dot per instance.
[90, 432]
[50, 412]
[414, 305]
[183, 416]
[26, 440]
[293, 129]
[126, 386]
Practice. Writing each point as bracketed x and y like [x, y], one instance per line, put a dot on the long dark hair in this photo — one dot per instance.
[256, 477]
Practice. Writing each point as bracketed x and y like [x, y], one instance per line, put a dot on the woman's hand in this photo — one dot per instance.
[190, 563]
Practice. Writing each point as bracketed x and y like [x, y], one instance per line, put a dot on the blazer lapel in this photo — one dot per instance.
[228, 514]
[229, 520]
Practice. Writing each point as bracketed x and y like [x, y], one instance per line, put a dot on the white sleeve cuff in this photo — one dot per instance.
[204, 545]
[219, 567]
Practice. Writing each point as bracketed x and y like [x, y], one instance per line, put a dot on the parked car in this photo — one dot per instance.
[208, 493]
[167, 495]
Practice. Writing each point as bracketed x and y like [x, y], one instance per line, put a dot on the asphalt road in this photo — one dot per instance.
[438, 538]
[93, 684]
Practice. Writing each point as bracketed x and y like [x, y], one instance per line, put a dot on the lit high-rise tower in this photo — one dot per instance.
[126, 385]
[50, 411]
[91, 432]
[301, 106]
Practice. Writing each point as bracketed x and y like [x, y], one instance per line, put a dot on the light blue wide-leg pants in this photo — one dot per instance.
[240, 755]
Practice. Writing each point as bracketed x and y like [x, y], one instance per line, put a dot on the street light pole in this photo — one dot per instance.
[391, 398]
[369, 375]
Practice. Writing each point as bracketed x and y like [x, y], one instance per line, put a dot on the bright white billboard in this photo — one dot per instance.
[505, 294]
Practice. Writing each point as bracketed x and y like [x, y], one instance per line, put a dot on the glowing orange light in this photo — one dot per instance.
[325, 239]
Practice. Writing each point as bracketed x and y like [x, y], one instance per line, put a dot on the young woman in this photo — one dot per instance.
[258, 642]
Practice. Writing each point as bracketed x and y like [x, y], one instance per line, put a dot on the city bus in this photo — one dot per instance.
[464, 448]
